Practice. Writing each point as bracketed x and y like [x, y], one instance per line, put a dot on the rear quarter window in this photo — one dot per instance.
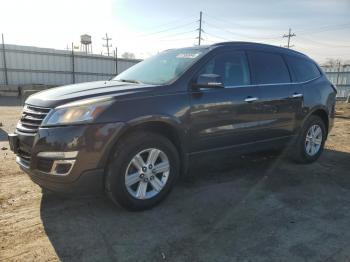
[303, 69]
[268, 68]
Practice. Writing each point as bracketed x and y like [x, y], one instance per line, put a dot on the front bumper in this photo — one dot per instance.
[91, 145]
[90, 181]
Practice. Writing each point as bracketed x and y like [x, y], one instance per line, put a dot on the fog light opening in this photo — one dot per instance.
[62, 169]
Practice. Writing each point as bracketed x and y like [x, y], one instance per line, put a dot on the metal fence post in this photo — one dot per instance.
[73, 69]
[4, 59]
[337, 83]
[116, 61]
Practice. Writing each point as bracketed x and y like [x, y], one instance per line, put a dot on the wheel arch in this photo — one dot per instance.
[321, 112]
[163, 125]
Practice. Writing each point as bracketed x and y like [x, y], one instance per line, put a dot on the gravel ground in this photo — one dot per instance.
[252, 208]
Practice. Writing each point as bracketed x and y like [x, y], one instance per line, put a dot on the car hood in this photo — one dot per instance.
[60, 95]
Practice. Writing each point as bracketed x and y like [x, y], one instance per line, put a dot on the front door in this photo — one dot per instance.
[224, 117]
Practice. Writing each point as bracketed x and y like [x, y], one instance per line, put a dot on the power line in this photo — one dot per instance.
[176, 39]
[162, 38]
[322, 43]
[210, 41]
[166, 37]
[230, 32]
[324, 29]
[312, 50]
[216, 36]
[229, 35]
[221, 20]
[307, 30]
[169, 23]
[169, 29]
[180, 33]
[239, 34]
[230, 23]
[289, 36]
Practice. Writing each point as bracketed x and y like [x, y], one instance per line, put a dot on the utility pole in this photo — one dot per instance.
[290, 35]
[200, 30]
[107, 45]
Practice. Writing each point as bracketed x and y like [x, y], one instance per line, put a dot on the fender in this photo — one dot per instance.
[180, 129]
[172, 122]
[313, 110]
[317, 107]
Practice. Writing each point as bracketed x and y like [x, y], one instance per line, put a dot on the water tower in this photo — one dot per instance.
[86, 44]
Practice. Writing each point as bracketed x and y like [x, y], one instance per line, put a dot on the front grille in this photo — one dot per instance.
[31, 119]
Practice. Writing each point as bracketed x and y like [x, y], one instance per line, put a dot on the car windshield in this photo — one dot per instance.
[162, 68]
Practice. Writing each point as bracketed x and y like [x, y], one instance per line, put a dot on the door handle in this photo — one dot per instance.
[250, 99]
[296, 95]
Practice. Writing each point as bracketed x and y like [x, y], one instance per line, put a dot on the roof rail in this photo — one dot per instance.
[256, 44]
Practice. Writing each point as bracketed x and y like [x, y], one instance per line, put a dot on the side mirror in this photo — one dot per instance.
[209, 81]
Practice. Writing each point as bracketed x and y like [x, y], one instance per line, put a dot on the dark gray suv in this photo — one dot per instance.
[133, 135]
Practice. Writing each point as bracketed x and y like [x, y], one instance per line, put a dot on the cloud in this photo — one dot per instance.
[58, 23]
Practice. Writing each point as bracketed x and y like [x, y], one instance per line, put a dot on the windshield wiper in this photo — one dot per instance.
[129, 81]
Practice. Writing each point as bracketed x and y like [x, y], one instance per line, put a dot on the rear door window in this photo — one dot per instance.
[232, 67]
[303, 69]
[268, 68]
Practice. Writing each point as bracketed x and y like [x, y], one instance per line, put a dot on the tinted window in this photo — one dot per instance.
[232, 67]
[303, 69]
[268, 68]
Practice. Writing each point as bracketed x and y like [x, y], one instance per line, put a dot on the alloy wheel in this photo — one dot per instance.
[313, 140]
[147, 173]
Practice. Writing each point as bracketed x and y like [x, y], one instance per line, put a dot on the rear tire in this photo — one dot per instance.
[309, 144]
[133, 177]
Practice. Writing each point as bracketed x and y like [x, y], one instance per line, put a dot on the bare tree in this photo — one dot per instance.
[332, 64]
[128, 55]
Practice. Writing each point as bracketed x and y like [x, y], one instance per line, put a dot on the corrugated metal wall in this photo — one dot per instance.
[341, 80]
[33, 65]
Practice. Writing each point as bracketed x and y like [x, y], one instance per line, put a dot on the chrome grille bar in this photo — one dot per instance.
[31, 119]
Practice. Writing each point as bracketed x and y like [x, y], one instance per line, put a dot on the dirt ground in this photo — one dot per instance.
[253, 208]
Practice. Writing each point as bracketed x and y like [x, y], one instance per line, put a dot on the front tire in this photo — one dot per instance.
[310, 141]
[142, 170]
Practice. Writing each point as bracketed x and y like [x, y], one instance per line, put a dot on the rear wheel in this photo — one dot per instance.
[142, 171]
[310, 142]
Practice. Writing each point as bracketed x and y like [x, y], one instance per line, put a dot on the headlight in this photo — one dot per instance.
[77, 112]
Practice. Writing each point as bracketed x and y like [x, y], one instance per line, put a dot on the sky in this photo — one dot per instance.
[322, 27]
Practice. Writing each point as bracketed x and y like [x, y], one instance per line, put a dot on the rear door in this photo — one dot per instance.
[280, 98]
[223, 117]
[304, 89]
